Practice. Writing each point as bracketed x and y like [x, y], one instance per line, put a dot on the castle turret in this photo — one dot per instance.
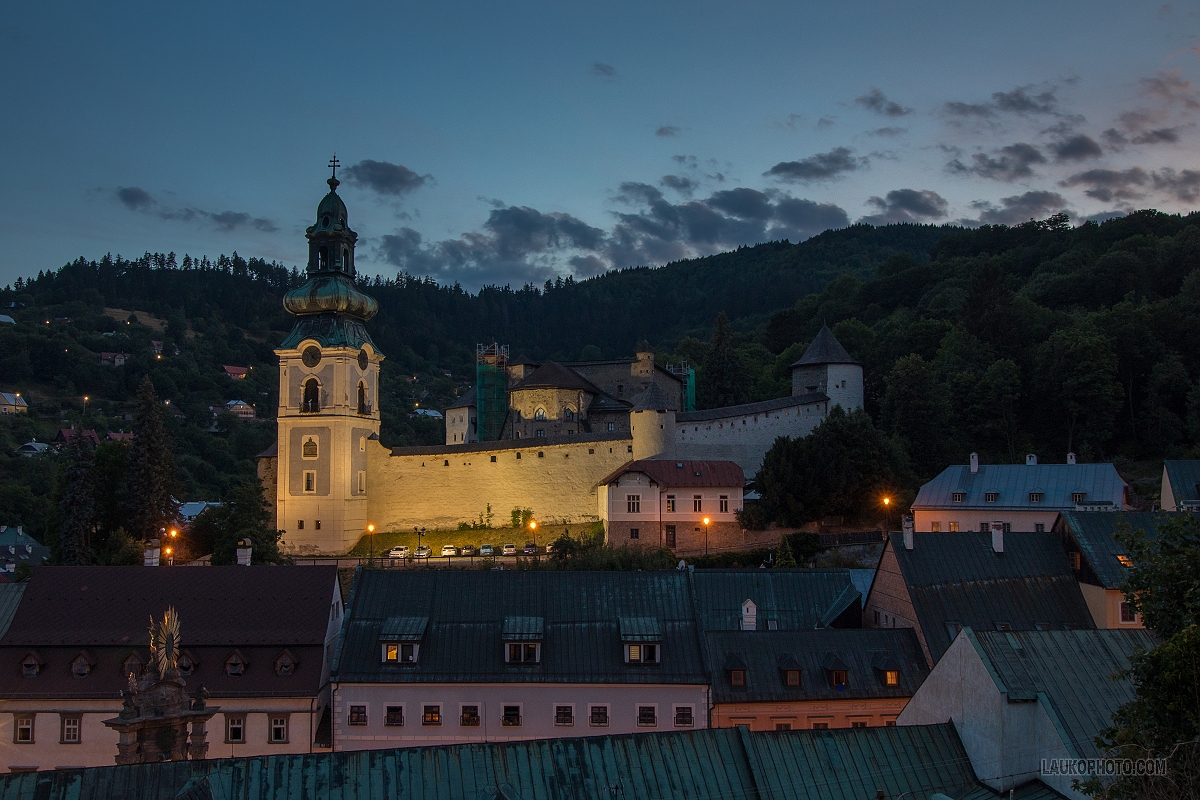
[826, 367]
[652, 424]
[328, 393]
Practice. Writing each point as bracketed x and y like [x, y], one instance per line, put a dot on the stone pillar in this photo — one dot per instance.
[198, 746]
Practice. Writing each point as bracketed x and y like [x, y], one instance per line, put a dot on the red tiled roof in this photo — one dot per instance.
[67, 434]
[683, 474]
[235, 370]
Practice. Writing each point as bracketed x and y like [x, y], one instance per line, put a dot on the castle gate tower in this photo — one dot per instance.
[328, 393]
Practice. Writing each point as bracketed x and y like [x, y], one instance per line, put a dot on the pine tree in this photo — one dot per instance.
[724, 375]
[785, 558]
[77, 504]
[151, 469]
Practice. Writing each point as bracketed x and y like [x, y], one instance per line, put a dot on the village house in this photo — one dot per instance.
[1181, 486]
[1021, 699]
[32, 448]
[113, 359]
[18, 547]
[239, 409]
[12, 403]
[1021, 497]
[436, 657]
[255, 638]
[237, 373]
[940, 583]
[67, 435]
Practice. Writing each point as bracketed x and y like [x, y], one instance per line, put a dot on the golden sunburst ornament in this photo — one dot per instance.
[164, 642]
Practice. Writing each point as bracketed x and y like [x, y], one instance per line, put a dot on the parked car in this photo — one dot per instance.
[422, 552]
[400, 551]
[530, 549]
[550, 547]
[509, 549]
[468, 549]
[486, 550]
[449, 550]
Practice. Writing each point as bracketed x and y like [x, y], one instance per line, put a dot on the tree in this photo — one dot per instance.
[916, 409]
[151, 469]
[785, 557]
[724, 373]
[247, 517]
[77, 503]
[1079, 377]
[1000, 389]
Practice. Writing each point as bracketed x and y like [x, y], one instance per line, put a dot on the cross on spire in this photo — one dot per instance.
[334, 164]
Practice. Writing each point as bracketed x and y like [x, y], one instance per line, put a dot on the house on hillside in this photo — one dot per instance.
[940, 583]
[1023, 699]
[12, 403]
[1181, 486]
[156, 347]
[257, 639]
[66, 435]
[237, 373]
[239, 408]
[119, 436]
[688, 506]
[32, 448]
[1021, 497]
[113, 359]
[18, 547]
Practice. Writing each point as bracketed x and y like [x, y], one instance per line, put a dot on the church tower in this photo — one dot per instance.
[328, 393]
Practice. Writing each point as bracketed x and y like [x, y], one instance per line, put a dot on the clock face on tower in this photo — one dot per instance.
[362, 360]
[311, 356]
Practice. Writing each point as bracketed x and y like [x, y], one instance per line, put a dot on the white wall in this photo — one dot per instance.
[537, 703]
[745, 438]
[969, 519]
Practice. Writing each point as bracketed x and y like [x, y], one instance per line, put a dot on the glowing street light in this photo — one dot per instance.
[706, 520]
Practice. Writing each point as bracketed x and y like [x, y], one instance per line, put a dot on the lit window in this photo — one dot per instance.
[891, 677]
[935, 527]
[70, 730]
[1075, 559]
[598, 716]
[235, 729]
[724, 504]
[697, 503]
[641, 653]
[671, 504]
[1126, 561]
[647, 716]
[394, 718]
[684, 717]
[954, 527]
[391, 652]
[564, 715]
[633, 503]
[358, 715]
[279, 730]
[469, 717]
[24, 725]
[511, 717]
[635, 653]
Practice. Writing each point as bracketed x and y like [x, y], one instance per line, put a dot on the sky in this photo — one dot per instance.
[511, 143]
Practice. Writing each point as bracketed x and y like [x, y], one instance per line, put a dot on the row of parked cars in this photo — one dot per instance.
[484, 550]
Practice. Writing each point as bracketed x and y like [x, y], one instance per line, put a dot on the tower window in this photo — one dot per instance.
[310, 481]
[363, 406]
[312, 396]
[323, 253]
[346, 258]
[362, 481]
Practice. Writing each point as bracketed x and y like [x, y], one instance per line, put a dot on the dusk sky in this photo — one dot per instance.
[513, 142]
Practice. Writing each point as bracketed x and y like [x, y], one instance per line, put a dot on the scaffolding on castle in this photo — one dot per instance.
[688, 376]
[491, 389]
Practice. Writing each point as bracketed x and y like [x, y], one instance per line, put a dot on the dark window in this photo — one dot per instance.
[633, 533]
[684, 717]
[432, 715]
[647, 716]
[724, 504]
[612, 426]
[564, 715]
[71, 726]
[697, 503]
[858, 723]
[511, 717]
[469, 717]
[541, 434]
[528, 653]
[783, 726]
[493, 459]
[299, 524]
[358, 715]
[598, 716]
[891, 723]
[394, 718]
[317, 524]
[279, 730]
[671, 536]
[363, 407]
[990, 497]
[1003, 626]
[235, 729]
[312, 396]
[309, 449]
[983, 527]
[23, 730]
[323, 253]
[633, 503]
[1078, 497]
[792, 677]
[737, 677]
[958, 497]
[838, 678]
[820, 726]
[1039, 527]
[1128, 615]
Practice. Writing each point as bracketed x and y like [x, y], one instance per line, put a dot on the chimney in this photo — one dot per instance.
[1070, 458]
[749, 616]
[908, 532]
[150, 555]
[998, 537]
[974, 462]
[1031, 460]
[243, 552]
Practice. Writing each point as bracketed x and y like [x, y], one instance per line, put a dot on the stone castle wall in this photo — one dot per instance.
[744, 438]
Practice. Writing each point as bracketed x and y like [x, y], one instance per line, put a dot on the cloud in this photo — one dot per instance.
[684, 185]
[1019, 208]
[1076, 148]
[876, 101]
[1170, 87]
[1019, 101]
[134, 198]
[790, 123]
[906, 205]
[1107, 185]
[888, 131]
[957, 109]
[1183, 185]
[1009, 164]
[602, 70]
[667, 130]
[821, 167]
[138, 199]
[385, 178]
[825, 122]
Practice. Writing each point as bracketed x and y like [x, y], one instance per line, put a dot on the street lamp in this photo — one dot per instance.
[533, 530]
[370, 543]
[420, 531]
[170, 558]
[887, 512]
[706, 521]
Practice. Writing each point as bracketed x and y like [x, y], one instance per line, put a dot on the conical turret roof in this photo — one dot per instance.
[825, 349]
[653, 399]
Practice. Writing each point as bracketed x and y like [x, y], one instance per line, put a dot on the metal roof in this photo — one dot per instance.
[1013, 484]
[552, 375]
[956, 580]
[766, 654]
[825, 349]
[469, 612]
[749, 409]
[1093, 532]
[1184, 477]
[700, 765]
[1071, 673]
[526, 445]
[10, 598]
[465, 400]
[796, 599]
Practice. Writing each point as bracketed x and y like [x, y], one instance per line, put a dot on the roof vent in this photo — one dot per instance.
[749, 615]
[1070, 458]
[1031, 460]
[998, 537]
[679, 464]
[974, 462]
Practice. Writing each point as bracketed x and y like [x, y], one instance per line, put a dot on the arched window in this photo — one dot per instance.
[346, 259]
[568, 414]
[323, 258]
[312, 396]
[539, 414]
[363, 406]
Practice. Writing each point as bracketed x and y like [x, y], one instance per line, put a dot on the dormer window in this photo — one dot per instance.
[399, 653]
[523, 653]
[838, 679]
[1035, 497]
[31, 665]
[791, 677]
[737, 677]
[891, 677]
[1126, 561]
[285, 664]
[186, 664]
[958, 497]
[522, 638]
[1078, 497]
[82, 664]
[400, 639]
[641, 653]
[641, 638]
[991, 497]
[837, 671]
[235, 665]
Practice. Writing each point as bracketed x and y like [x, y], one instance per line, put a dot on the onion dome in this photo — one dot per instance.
[322, 294]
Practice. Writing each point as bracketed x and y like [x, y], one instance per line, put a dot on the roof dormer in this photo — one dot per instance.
[186, 663]
[32, 664]
[400, 639]
[522, 638]
[285, 664]
[236, 664]
[82, 664]
[641, 638]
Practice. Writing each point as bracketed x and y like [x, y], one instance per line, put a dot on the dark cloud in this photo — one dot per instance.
[602, 70]
[1107, 185]
[1019, 101]
[1182, 185]
[684, 185]
[957, 109]
[385, 178]
[1157, 136]
[1008, 164]
[825, 122]
[821, 167]
[1079, 147]
[667, 130]
[1170, 87]
[232, 220]
[1019, 208]
[906, 205]
[889, 131]
[134, 198]
[876, 101]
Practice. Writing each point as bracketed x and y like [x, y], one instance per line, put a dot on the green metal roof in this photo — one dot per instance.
[796, 599]
[330, 330]
[1071, 673]
[726, 764]
[1093, 532]
[640, 629]
[523, 629]
[1184, 477]
[403, 629]
[10, 598]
